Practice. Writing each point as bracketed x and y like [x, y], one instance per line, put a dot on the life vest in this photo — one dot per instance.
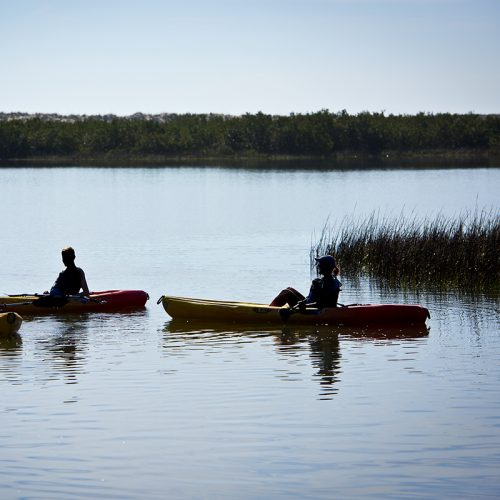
[69, 281]
[325, 291]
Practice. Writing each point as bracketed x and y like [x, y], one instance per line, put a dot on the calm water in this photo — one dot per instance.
[137, 406]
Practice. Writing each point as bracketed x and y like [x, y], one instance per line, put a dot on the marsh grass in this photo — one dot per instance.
[443, 252]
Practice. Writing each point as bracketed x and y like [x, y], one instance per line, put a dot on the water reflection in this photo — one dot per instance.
[324, 346]
[290, 334]
[325, 357]
[64, 344]
[11, 345]
[320, 344]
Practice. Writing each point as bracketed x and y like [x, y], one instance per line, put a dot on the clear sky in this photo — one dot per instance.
[239, 56]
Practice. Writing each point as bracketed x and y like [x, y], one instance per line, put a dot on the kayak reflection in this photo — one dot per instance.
[10, 344]
[64, 344]
[322, 343]
[216, 328]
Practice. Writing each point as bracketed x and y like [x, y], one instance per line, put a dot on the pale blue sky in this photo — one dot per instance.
[238, 56]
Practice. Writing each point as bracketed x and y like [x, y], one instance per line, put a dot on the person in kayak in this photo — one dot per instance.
[72, 279]
[324, 291]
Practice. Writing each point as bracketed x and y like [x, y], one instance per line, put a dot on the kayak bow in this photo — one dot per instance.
[10, 323]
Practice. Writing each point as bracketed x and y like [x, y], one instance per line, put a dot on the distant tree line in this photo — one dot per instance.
[323, 133]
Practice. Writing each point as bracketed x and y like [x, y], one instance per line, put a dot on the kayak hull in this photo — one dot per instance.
[104, 301]
[242, 312]
[10, 322]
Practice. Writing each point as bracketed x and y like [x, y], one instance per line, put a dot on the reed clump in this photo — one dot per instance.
[460, 252]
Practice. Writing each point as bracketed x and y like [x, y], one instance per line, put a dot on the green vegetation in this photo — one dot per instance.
[321, 134]
[442, 253]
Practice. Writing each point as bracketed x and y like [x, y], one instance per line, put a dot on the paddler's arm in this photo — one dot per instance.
[84, 286]
[312, 299]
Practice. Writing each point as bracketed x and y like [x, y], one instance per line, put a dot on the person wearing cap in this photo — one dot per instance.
[72, 279]
[324, 291]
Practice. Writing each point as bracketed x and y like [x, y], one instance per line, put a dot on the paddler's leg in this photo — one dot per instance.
[288, 296]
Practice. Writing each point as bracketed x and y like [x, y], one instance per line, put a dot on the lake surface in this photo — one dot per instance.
[137, 406]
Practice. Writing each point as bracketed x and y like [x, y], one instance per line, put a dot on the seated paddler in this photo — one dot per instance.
[72, 279]
[324, 291]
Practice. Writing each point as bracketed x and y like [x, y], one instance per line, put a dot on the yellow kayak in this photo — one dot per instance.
[244, 312]
[9, 324]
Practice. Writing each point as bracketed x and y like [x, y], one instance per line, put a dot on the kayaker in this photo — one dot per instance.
[324, 291]
[72, 279]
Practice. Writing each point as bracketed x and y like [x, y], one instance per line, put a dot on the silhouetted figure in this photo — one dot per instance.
[72, 279]
[324, 291]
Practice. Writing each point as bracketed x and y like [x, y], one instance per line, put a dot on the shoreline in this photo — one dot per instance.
[464, 158]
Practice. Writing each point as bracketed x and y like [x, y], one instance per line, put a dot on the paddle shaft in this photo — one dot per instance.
[52, 301]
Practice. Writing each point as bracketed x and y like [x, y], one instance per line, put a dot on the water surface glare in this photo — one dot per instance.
[135, 405]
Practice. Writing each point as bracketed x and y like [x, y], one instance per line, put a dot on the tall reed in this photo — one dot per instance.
[408, 251]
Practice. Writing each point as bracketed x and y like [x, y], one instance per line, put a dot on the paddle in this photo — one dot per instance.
[50, 301]
[47, 300]
[286, 312]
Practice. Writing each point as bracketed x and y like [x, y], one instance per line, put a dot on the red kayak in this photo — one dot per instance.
[106, 301]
